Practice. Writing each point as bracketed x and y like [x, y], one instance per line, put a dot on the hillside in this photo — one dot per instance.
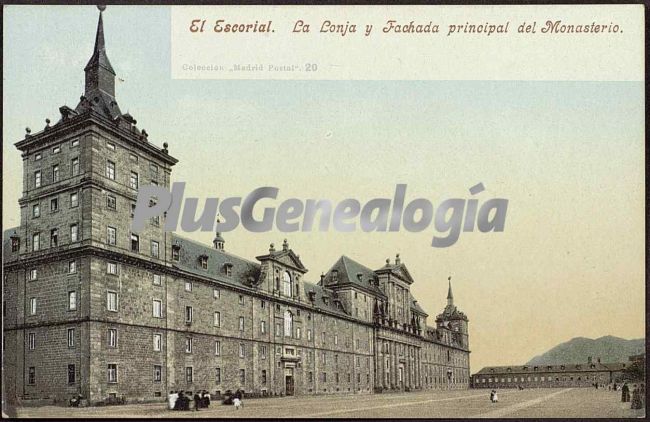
[577, 350]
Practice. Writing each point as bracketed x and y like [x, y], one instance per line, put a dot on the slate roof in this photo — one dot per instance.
[568, 367]
[244, 273]
[415, 306]
[350, 272]
[7, 255]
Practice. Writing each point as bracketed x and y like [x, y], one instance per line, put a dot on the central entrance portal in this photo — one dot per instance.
[289, 382]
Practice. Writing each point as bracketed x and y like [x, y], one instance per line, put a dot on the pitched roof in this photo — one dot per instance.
[567, 367]
[350, 272]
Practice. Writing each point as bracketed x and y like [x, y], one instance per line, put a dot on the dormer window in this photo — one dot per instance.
[335, 276]
[227, 269]
[176, 252]
[203, 259]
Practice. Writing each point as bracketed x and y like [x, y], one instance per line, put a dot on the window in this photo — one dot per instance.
[157, 373]
[38, 156]
[262, 304]
[157, 279]
[74, 143]
[242, 376]
[72, 300]
[157, 342]
[133, 180]
[31, 378]
[286, 284]
[154, 249]
[288, 323]
[135, 243]
[56, 150]
[310, 377]
[324, 376]
[189, 375]
[111, 235]
[262, 327]
[71, 374]
[70, 337]
[217, 375]
[111, 202]
[336, 339]
[55, 173]
[157, 309]
[15, 244]
[188, 345]
[188, 286]
[110, 170]
[241, 299]
[74, 200]
[263, 351]
[278, 329]
[36, 211]
[112, 373]
[112, 337]
[110, 146]
[54, 204]
[241, 350]
[54, 238]
[176, 252]
[309, 334]
[153, 170]
[216, 293]
[263, 377]
[324, 358]
[111, 268]
[111, 301]
[132, 209]
[74, 233]
[241, 323]
[74, 165]
[217, 319]
[133, 158]
[32, 306]
[188, 314]
[31, 341]
[33, 273]
[36, 242]
[217, 348]
[37, 179]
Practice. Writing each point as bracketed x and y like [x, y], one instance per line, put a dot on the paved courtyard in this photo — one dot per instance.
[533, 403]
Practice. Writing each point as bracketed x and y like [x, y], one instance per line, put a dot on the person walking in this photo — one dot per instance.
[171, 400]
[636, 398]
[197, 401]
[625, 393]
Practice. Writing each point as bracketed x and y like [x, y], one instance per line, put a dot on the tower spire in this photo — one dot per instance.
[450, 295]
[100, 76]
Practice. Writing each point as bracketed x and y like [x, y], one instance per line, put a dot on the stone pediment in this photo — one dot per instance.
[285, 257]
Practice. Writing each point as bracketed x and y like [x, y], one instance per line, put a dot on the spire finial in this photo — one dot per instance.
[100, 76]
[450, 295]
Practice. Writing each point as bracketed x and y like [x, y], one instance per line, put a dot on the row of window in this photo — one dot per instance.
[72, 375]
[524, 379]
[37, 238]
[54, 204]
[71, 303]
[111, 239]
[56, 172]
[56, 149]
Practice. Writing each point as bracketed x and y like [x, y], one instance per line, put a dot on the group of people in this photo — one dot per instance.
[638, 395]
[494, 398]
[180, 400]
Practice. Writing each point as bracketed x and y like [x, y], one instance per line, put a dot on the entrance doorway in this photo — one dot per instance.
[289, 382]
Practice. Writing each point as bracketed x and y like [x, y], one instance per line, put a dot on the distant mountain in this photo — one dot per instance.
[578, 350]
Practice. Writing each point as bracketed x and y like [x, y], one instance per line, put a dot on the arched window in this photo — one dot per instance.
[286, 284]
[288, 324]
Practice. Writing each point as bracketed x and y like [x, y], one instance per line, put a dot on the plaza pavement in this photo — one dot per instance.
[532, 403]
